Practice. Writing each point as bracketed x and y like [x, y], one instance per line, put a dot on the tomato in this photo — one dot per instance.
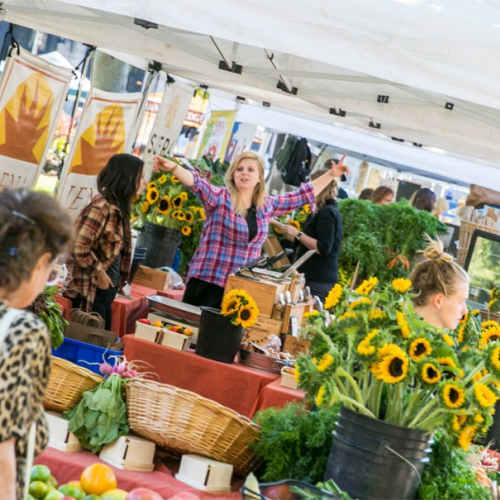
[279, 492]
[40, 473]
[144, 494]
[38, 489]
[145, 321]
[97, 479]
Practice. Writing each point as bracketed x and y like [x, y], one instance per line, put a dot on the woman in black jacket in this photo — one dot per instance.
[323, 233]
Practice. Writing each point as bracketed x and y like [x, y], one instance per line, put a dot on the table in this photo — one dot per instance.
[67, 467]
[172, 294]
[232, 385]
[276, 396]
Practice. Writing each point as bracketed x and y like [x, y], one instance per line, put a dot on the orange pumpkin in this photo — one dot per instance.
[97, 479]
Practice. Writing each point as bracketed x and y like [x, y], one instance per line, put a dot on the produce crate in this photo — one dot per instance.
[82, 354]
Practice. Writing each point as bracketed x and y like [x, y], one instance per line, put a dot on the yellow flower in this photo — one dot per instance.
[430, 373]
[297, 375]
[491, 303]
[152, 195]
[230, 305]
[446, 361]
[325, 362]
[474, 312]
[367, 286]
[478, 418]
[491, 334]
[360, 302]
[164, 205]
[466, 436]
[151, 185]
[333, 297]
[484, 395]
[393, 366]
[311, 315]
[295, 224]
[401, 285]
[144, 207]
[453, 395]
[188, 217]
[376, 314]
[320, 396]
[307, 209]
[184, 195]
[477, 377]
[247, 316]
[364, 347]
[495, 358]
[181, 215]
[448, 340]
[460, 336]
[487, 324]
[347, 315]
[455, 423]
[162, 179]
[403, 324]
[177, 202]
[174, 179]
[201, 213]
[420, 348]
[186, 230]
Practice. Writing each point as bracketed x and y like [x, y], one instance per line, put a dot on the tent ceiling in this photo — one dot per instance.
[341, 56]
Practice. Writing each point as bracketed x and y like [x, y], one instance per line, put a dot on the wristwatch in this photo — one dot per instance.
[299, 234]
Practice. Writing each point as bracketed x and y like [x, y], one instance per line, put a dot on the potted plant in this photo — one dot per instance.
[221, 331]
[399, 380]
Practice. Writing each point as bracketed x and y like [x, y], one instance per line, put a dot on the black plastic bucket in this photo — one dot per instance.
[161, 243]
[218, 338]
[137, 260]
[493, 435]
[371, 459]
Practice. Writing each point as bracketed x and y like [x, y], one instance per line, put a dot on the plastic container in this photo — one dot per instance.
[205, 474]
[218, 338]
[137, 260]
[130, 453]
[161, 242]
[82, 354]
[372, 459]
[59, 436]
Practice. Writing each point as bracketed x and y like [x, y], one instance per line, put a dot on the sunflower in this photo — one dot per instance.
[403, 324]
[446, 361]
[466, 436]
[376, 314]
[201, 212]
[460, 335]
[186, 230]
[347, 315]
[181, 215]
[430, 373]
[325, 362]
[188, 217]
[333, 297]
[320, 396]
[247, 316]
[177, 202]
[235, 292]
[484, 395]
[360, 302]
[475, 312]
[487, 324]
[311, 315]
[491, 334]
[175, 214]
[420, 348]
[448, 340]
[392, 368]
[297, 375]
[151, 185]
[401, 285]
[174, 179]
[495, 358]
[184, 195]
[164, 205]
[455, 424]
[230, 306]
[295, 224]
[152, 195]
[453, 395]
[307, 209]
[144, 207]
[364, 347]
[162, 179]
[491, 303]
[478, 418]
[367, 286]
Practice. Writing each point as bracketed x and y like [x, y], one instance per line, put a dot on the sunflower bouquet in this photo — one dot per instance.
[377, 357]
[240, 308]
[494, 303]
[296, 218]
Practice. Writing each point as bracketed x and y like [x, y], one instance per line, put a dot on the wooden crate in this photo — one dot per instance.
[272, 247]
[262, 329]
[263, 292]
[297, 310]
[295, 346]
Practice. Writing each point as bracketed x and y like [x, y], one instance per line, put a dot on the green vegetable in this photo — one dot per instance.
[101, 416]
[294, 442]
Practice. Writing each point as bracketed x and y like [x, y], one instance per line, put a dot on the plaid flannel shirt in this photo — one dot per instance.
[98, 241]
[224, 245]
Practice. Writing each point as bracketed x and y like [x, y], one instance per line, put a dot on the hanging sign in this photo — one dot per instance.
[217, 134]
[241, 140]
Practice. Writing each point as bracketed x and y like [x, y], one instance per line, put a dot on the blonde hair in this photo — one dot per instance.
[440, 206]
[438, 273]
[259, 194]
[329, 193]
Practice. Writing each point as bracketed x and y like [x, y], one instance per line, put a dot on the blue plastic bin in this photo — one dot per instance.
[82, 354]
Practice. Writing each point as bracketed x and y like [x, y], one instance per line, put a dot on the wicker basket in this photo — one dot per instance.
[466, 231]
[184, 422]
[67, 383]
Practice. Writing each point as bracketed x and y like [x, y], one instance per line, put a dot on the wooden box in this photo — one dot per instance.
[295, 346]
[176, 340]
[130, 453]
[263, 292]
[288, 380]
[151, 278]
[175, 321]
[205, 474]
[272, 247]
[262, 328]
[59, 436]
[148, 332]
[297, 310]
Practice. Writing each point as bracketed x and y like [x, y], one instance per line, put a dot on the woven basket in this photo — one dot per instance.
[67, 383]
[184, 422]
[466, 231]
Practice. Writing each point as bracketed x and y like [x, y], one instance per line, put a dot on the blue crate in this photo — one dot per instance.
[82, 354]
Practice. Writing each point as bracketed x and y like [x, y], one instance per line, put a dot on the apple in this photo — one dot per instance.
[143, 494]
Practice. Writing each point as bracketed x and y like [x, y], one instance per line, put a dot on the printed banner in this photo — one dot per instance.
[241, 140]
[32, 93]
[106, 123]
[217, 134]
[168, 123]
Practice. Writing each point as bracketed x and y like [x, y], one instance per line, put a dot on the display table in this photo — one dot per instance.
[67, 467]
[66, 306]
[276, 396]
[235, 386]
[172, 294]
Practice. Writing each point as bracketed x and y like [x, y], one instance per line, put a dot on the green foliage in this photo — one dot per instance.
[101, 416]
[449, 476]
[294, 442]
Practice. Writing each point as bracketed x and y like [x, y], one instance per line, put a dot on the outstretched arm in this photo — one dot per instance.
[336, 171]
[183, 174]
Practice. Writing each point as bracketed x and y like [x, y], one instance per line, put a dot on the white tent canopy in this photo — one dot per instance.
[422, 71]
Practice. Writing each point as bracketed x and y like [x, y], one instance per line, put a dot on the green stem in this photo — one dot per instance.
[340, 385]
[341, 372]
[428, 420]
[360, 406]
[473, 373]
[422, 412]
[325, 337]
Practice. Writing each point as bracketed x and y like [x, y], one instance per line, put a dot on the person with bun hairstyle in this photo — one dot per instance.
[442, 287]
[34, 232]
[383, 195]
[237, 220]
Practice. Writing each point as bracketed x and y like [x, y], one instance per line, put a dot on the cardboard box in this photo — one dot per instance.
[295, 346]
[176, 340]
[288, 380]
[151, 278]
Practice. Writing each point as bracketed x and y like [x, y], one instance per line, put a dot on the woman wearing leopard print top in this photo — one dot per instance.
[34, 230]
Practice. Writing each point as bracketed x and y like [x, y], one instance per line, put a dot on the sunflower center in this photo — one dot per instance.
[232, 304]
[432, 373]
[163, 205]
[245, 314]
[396, 367]
[494, 338]
[420, 349]
[453, 395]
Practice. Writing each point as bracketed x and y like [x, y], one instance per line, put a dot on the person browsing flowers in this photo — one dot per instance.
[237, 218]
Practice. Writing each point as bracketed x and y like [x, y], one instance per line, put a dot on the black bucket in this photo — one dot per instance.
[493, 435]
[161, 243]
[218, 338]
[371, 459]
[137, 260]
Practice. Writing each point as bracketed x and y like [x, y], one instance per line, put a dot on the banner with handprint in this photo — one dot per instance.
[217, 133]
[104, 130]
[32, 93]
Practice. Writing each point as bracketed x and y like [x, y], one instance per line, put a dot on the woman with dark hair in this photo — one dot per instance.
[366, 194]
[424, 199]
[100, 256]
[34, 232]
[383, 195]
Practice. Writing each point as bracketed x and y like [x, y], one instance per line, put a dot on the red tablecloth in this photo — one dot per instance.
[232, 385]
[67, 467]
[276, 396]
[127, 311]
[172, 294]
[66, 306]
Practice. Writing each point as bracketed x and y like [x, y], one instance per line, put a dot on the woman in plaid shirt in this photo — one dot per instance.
[237, 220]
